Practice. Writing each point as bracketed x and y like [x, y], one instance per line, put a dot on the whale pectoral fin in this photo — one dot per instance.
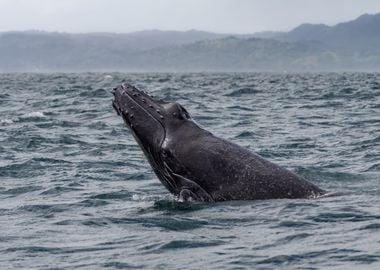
[191, 190]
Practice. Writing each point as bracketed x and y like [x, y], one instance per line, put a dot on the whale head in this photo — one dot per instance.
[152, 123]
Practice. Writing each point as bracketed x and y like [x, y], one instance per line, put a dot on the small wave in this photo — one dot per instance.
[176, 205]
[45, 209]
[58, 190]
[295, 224]
[322, 175]
[6, 121]
[117, 195]
[27, 169]
[137, 197]
[54, 250]
[342, 216]
[162, 80]
[176, 244]
[240, 108]
[373, 167]
[166, 223]
[331, 194]
[95, 222]
[151, 198]
[373, 226]
[20, 190]
[242, 91]
[121, 265]
[92, 203]
[32, 116]
[95, 93]
[296, 237]
[245, 134]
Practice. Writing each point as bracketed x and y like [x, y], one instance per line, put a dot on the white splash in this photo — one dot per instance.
[152, 198]
[136, 197]
[6, 121]
[34, 115]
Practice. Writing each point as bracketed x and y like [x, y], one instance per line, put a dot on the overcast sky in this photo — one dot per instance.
[225, 16]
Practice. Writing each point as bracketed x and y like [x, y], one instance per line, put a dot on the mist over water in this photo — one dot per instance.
[77, 193]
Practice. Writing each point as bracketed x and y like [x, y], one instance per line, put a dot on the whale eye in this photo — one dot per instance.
[165, 153]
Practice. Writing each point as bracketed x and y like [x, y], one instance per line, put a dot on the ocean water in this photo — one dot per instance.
[77, 193]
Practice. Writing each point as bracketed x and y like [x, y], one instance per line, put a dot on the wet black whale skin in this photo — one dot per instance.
[194, 164]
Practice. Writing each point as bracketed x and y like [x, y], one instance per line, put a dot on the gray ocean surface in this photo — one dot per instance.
[77, 192]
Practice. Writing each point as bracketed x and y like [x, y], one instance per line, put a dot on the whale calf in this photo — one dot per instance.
[195, 165]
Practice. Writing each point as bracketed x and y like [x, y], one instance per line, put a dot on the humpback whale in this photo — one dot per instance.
[195, 165]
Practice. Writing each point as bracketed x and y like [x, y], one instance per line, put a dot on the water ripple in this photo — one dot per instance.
[78, 193]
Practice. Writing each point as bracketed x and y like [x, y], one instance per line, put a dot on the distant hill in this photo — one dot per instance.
[236, 54]
[362, 33]
[37, 50]
[353, 45]
[156, 38]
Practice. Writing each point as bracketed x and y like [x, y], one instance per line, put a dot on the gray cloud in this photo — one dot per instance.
[228, 16]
